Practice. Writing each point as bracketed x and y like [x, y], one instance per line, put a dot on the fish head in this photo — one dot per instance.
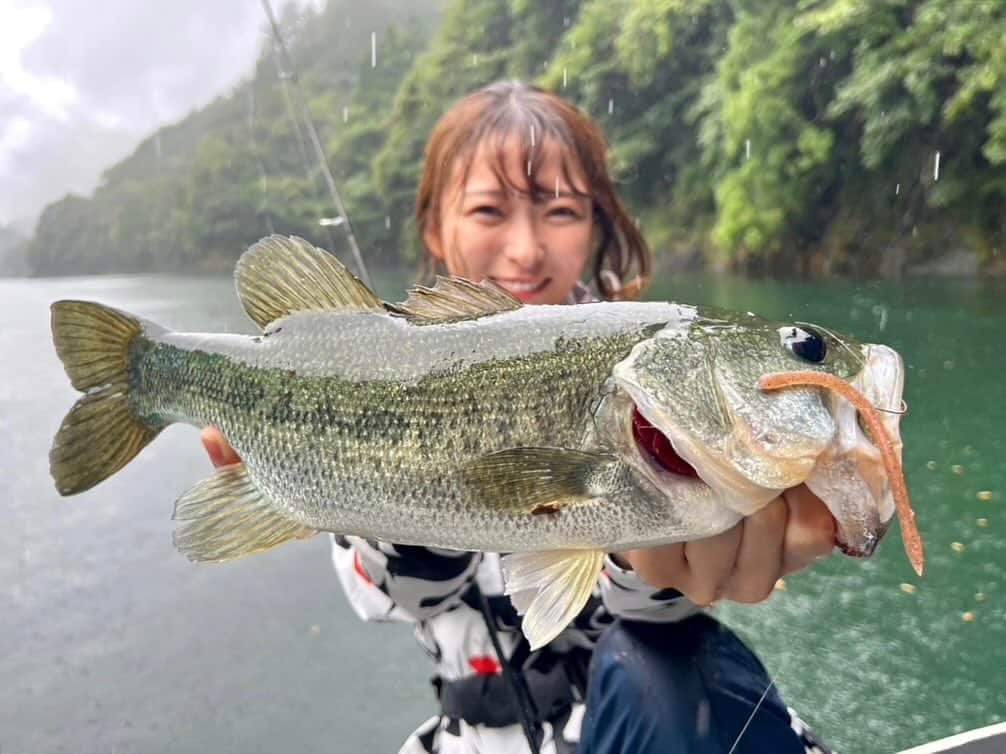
[695, 389]
[850, 476]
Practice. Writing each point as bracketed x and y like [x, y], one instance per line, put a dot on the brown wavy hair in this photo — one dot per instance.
[512, 109]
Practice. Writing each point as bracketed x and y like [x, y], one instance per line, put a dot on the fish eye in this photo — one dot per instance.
[804, 343]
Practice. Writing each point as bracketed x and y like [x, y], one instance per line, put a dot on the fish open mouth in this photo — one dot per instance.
[881, 436]
[654, 444]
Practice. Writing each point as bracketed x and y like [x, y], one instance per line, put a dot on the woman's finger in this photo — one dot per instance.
[661, 567]
[759, 554]
[810, 530]
[710, 563]
[217, 447]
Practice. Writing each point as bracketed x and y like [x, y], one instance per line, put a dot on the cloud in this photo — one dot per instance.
[81, 83]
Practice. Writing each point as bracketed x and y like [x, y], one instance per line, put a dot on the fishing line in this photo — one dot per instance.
[291, 73]
[751, 716]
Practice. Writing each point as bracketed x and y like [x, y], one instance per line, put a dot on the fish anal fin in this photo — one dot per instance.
[279, 275]
[225, 516]
[550, 588]
[453, 299]
[537, 480]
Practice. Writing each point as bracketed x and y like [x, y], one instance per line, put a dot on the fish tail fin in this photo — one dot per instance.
[101, 433]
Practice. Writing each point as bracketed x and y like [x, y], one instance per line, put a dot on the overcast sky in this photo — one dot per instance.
[82, 82]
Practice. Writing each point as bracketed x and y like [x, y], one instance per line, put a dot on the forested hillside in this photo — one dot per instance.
[796, 136]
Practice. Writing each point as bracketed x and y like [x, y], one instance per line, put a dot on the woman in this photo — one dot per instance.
[516, 188]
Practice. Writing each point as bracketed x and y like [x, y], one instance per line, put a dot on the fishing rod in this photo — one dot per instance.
[286, 63]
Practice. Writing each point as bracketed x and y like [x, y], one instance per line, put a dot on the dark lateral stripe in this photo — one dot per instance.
[419, 563]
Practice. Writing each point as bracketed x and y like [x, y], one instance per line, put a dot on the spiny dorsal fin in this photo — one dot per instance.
[453, 299]
[279, 275]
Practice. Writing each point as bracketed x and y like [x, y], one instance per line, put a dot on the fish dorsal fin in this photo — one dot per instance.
[280, 275]
[453, 299]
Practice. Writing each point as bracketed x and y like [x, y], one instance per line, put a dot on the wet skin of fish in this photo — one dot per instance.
[464, 419]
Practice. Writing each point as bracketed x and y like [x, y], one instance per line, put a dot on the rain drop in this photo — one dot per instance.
[936, 167]
[881, 313]
[747, 149]
[564, 78]
[897, 189]
[345, 114]
[387, 222]
[373, 49]
[611, 106]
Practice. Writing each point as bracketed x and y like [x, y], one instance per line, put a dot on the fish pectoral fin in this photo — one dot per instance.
[453, 299]
[550, 588]
[225, 517]
[538, 480]
[280, 275]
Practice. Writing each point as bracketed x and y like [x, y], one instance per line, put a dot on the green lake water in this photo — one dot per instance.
[111, 641]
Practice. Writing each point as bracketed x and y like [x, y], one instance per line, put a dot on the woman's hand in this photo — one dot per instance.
[218, 449]
[743, 563]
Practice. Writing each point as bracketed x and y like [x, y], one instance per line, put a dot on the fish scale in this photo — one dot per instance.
[462, 419]
[385, 453]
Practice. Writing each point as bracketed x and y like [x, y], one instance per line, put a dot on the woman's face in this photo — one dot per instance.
[535, 249]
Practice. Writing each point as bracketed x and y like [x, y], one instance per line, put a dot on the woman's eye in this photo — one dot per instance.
[804, 343]
[487, 210]
[563, 212]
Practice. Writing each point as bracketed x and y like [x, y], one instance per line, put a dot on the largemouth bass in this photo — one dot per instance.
[463, 419]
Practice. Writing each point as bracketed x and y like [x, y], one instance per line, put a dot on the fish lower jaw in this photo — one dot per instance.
[857, 551]
[862, 545]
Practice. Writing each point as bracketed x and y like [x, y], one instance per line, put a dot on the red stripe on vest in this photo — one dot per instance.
[358, 567]
[484, 664]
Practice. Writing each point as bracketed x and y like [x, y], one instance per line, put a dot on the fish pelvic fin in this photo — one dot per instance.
[550, 588]
[280, 275]
[533, 480]
[225, 516]
[101, 433]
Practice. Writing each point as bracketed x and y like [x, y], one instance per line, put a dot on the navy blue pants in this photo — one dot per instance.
[688, 688]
